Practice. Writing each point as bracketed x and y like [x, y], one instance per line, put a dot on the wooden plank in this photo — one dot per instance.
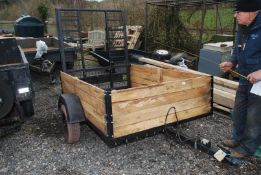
[162, 88]
[95, 103]
[142, 80]
[169, 66]
[146, 76]
[143, 75]
[224, 98]
[68, 87]
[170, 75]
[68, 82]
[144, 69]
[226, 83]
[134, 85]
[167, 78]
[156, 122]
[157, 111]
[125, 107]
[90, 89]
[215, 105]
[225, 89]
[159, 74]
[95, 119]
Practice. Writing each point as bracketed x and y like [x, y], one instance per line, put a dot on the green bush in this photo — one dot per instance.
[43, 11]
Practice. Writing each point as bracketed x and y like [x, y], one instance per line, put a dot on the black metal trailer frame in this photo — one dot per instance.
[115, 66]
[16, 91]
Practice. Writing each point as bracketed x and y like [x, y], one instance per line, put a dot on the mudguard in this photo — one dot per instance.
[73, 107]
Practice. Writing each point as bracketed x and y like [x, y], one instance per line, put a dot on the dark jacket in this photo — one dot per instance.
[247, 54]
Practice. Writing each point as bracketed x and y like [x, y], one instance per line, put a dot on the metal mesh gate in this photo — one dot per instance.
[112, 72]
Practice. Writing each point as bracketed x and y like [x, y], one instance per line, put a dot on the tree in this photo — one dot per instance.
[44, 13]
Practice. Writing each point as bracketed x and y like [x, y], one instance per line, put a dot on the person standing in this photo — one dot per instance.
[246, 116]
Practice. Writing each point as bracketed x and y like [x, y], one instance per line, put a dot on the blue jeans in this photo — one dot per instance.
[246, 118]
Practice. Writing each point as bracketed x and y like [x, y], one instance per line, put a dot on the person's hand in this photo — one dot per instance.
[226, 66]
[254, 76]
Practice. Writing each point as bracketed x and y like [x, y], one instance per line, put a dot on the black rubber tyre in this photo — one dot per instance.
[6, 98]
[28, 108]
[162, 54]
[73, 129]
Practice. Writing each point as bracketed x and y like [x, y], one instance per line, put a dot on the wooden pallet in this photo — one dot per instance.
[133, 35]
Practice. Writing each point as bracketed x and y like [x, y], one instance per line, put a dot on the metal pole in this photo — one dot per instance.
[202, 23]
[60, 37]
[216, 18]
[81, 43]
[146, 25]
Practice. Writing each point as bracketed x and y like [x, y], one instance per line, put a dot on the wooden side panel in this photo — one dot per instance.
[159, 89]
[123, 108]
[169, 66]
[92, 99]
[172, 75]
[68, 83]
[225, 89]
[158, 110]
[90, 89]
[224, 93]
[145, 75]
[142, 75]
[160, 121]
[226, 83]
[142, 108]
[224, 98]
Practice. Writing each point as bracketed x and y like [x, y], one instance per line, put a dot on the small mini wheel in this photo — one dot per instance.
[162, 54]
[73, 129]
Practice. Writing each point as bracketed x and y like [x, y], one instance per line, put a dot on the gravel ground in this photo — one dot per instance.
[40, 148]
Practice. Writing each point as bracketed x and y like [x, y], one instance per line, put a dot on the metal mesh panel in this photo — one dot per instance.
[72, 27]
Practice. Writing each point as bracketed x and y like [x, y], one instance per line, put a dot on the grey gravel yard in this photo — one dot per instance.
[40, 147]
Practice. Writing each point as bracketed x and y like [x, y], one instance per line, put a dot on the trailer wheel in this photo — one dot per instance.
[6, 98]
[73, 129]
[28, 108]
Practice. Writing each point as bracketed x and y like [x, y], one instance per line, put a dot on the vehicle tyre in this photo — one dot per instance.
[6, 98]
[73, 129]
[28, 108]
[162, 54]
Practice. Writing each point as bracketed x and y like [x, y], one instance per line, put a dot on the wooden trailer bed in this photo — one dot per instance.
[143, 106]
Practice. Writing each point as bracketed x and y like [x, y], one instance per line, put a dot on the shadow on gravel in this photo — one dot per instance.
[53, 127]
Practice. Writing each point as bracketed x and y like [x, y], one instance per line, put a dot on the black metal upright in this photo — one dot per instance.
[60, 38]
[116, 42]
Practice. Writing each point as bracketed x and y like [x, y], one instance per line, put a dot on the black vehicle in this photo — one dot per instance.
[15, 86]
